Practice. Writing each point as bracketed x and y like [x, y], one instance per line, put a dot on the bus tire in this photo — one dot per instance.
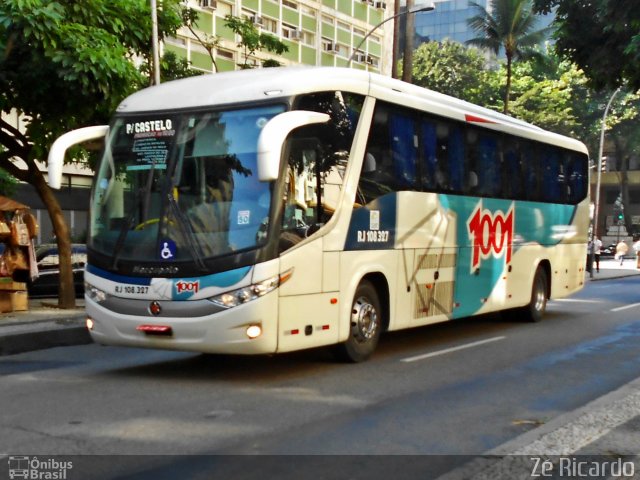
[534, 311]
[365, 322]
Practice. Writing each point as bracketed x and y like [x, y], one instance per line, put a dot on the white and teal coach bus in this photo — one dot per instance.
[272, 210]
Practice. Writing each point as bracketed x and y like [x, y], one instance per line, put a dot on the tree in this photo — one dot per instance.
[252, 40]
[8, 184]
[601, 36]
[511, 27]
[209, 42]
[62, 66]
[172, 67]
[451, 68]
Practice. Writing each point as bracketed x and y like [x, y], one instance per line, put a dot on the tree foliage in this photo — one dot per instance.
[252, 40]
[450, 68]
[601, 36]
[66, 64]
[509, 25]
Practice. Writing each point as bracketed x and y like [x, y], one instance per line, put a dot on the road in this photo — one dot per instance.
[451, 390]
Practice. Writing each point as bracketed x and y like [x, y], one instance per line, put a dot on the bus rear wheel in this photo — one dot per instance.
[365, 325]
[534, 311]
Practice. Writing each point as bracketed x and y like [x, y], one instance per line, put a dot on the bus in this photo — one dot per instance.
[273, 210]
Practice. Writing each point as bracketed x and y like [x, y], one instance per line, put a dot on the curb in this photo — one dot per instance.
[65, 333]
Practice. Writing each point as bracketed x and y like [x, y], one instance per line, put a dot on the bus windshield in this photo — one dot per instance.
[181, 187]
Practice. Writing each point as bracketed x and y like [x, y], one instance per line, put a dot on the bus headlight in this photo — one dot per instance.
[233, 298]
[94, 293]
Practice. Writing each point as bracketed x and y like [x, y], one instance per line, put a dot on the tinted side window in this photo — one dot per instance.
[483, 174]
[577, 177]
[390, 162]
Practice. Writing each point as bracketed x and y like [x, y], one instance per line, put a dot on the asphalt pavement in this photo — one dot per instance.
[604, 431]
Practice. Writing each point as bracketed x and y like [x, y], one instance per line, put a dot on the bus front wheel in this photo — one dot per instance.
[365, 322]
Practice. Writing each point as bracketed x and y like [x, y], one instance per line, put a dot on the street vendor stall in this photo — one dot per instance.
[18, 227]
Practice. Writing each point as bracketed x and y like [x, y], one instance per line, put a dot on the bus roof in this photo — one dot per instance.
[245, 86]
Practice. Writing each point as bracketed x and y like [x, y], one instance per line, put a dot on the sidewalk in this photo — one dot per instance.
[42, 326]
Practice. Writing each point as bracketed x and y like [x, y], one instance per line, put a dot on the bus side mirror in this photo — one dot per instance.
[273, 136]
[63, 143]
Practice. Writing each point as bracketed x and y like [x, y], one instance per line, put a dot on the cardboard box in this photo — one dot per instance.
[5, 302]
[20, 301]
[7, 283]
[14, 301]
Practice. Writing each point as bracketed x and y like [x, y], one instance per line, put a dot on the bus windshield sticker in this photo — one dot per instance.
[151, 142]
[244, 217]
[168, 249]
[374, 220]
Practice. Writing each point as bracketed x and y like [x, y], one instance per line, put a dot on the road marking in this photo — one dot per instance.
[575, 300]
[633, 305]
[450, 350]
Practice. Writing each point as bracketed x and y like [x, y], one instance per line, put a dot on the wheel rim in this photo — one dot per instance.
[364, 320]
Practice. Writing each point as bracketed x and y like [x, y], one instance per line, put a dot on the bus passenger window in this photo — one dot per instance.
[429, 149]
[403, 141]
[553, 176]
[512, 173]
[489, 181]
[442, 177]
[576, 178]
[530, 167]
[456, 159]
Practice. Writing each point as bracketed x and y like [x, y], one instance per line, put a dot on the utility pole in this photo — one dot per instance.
[154, 40]
[396, 35]
[407, 58]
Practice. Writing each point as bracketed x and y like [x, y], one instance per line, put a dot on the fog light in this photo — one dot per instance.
[90, 323]
[254, 331]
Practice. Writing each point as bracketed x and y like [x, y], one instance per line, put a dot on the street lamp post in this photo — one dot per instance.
[154, 40]
[406, 12]
[594, 230]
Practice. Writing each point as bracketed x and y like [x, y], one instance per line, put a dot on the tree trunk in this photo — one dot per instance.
[507, 92]
[67, 294]
[407, 60]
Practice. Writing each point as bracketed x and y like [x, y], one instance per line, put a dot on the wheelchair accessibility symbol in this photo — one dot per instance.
[167, 249]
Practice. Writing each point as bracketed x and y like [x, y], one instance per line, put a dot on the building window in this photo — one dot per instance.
[308, 38]
[290, 32]
[225, 54]
[269, 25]
[289, 4]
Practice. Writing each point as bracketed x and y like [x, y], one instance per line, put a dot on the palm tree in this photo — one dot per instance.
[509, 24]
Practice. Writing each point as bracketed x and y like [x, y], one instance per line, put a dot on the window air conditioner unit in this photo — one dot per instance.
[372, 61]
[296, 35]
[331, 47]
[212, 4]
[257, 20]
[360, 57]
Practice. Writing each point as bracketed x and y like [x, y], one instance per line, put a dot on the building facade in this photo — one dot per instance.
[449, 21]
[323, 33]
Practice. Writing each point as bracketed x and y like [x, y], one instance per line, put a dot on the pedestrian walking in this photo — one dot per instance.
[621, 250]
[597, 247]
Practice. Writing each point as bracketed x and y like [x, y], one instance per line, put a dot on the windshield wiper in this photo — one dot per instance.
[185, 228]
[142, 195]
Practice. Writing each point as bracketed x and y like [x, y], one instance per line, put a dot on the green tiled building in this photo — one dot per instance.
[321, 32]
